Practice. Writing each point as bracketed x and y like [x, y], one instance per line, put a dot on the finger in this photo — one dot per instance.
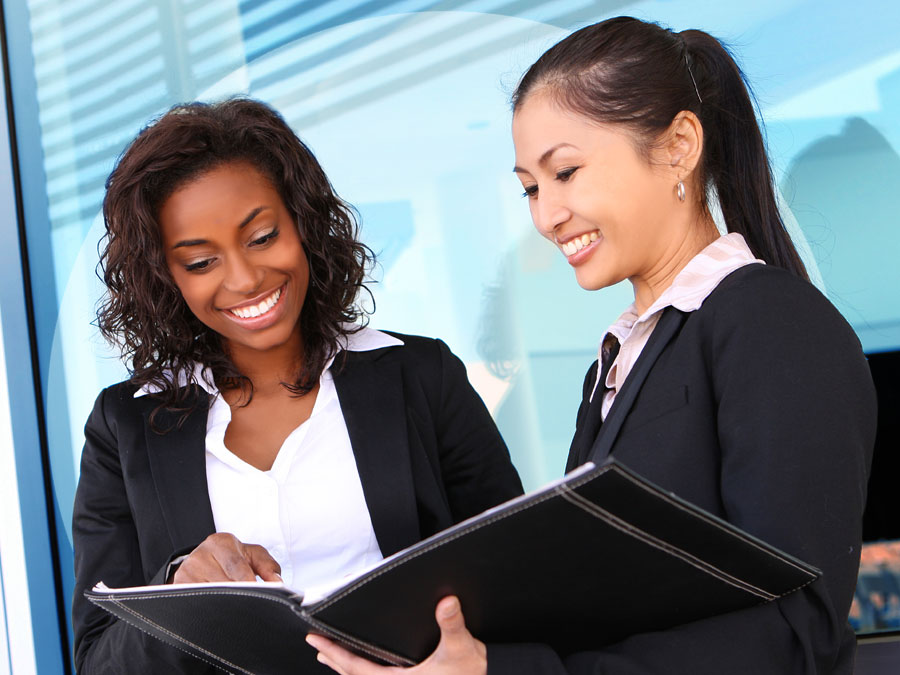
[325, 661]
[208, 561]
[183, 575]
[199, 567]
[339, 659]
[262, 562]
[457, 645]
[229, 554]
[450, 618]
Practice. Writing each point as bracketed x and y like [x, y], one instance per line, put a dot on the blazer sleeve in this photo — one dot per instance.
[795, 413]
[475, 466]
[107, 549]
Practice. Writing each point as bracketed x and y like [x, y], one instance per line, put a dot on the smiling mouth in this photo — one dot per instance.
[572, 246]
[259, 309]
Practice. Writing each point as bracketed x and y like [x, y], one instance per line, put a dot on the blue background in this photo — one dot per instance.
[406, 105]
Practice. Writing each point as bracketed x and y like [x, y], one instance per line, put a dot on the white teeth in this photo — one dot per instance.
[574, 245]
[258, 310]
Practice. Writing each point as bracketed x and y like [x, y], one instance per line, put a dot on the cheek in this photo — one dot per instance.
[300, 261]
[290, 252]
[193, 290]
[193, 301]
[295, 264]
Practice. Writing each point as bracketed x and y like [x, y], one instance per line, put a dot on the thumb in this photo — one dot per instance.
[458, 651]
[450, 619]
[263, 564]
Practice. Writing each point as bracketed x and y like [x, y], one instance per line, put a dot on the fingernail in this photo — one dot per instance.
[313, 641]
[450, 608]
[280, 578]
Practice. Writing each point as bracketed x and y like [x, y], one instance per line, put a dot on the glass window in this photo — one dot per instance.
[405, 104]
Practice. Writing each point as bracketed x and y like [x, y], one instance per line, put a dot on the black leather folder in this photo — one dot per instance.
[583, 562]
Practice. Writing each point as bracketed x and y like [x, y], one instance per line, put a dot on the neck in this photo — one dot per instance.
[688, 241]
[268, 369]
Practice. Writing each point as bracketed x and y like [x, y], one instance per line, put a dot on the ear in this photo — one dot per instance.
[683, 144]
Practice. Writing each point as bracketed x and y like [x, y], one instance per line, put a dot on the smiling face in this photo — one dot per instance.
[612, 212]
[235, 254]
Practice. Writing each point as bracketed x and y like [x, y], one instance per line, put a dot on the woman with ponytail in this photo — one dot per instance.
[731, 381]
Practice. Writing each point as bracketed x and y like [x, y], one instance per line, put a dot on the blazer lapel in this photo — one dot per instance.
[669, 324]
[373, 404]
[178, 464]
[590, 417]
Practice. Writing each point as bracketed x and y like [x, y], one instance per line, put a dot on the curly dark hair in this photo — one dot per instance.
[143, 311]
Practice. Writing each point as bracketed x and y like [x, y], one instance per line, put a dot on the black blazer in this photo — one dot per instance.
[427, 452]
[760, 408]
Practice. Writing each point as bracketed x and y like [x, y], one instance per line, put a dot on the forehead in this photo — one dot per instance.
[541, 124]
[216, 191]
[215, 203]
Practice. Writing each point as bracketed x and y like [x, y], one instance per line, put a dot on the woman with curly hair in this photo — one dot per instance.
[264, 431]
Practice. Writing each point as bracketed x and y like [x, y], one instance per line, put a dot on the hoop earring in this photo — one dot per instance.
[679, 191]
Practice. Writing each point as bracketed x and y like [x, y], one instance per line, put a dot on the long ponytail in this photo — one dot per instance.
[734, 157]
[638, 74]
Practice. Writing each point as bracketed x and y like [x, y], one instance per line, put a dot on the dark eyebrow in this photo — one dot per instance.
[546, 156]
[246, 221]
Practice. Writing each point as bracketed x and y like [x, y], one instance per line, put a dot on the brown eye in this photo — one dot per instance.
[199, 265]
[265, 238]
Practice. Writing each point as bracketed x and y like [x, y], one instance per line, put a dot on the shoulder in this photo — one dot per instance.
[414, 350]
[117, 398]
[115, 406]
[124, 405]
[420, 359]
[771, 302]
[766, 322]
[766, 285]
[121, 391]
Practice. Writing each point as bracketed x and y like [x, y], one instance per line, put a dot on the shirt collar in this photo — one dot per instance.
[364, 340]
[693, 284]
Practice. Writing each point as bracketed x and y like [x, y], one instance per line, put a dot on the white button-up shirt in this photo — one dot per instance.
[308, 510]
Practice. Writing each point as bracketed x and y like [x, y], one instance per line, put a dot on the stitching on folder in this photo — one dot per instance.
[362, 646]
[327, 602]
[619, 524]
[369, 649]
[714, 523]
[456, 535]
[219, 660]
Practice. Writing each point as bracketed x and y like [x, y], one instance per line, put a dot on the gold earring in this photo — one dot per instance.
[679, 191]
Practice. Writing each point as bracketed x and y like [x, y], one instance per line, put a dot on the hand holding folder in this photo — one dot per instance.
[583, 562]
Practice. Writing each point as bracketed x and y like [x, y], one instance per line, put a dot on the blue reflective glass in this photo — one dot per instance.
[405, 103]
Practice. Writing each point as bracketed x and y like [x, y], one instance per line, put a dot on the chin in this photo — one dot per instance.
[590, 282]
[262, 341]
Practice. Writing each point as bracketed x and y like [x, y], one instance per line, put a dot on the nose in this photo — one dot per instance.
[241, 276]
[548, 213]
